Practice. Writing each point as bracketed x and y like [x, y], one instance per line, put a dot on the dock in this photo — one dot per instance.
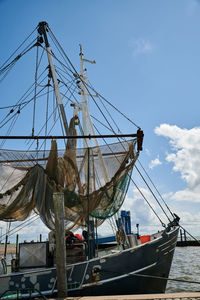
[185, 240]
[176, 296]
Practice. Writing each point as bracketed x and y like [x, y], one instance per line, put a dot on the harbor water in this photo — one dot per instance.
[185, 266]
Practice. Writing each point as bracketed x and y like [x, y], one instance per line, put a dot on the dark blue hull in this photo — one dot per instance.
[131, 271]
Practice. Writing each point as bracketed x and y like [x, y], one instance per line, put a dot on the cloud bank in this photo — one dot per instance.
[185, 156]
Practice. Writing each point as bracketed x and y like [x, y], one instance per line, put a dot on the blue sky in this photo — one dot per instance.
[148, 65]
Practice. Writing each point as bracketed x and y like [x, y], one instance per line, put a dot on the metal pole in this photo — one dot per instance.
[185, 239]
[58, 201]
[5, 249]
[16, 245]
[1, 228]
[88, 199]
[50, 137]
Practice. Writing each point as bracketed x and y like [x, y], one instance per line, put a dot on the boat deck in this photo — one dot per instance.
[176, 296]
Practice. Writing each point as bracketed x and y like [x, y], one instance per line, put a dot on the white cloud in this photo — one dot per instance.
[185, 156]
[141, 46]
[28, 230]
[141, 212]
[155, 162]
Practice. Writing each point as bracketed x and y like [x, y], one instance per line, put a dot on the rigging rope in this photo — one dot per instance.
[156, 189]
[9, 130]
[23, 105]
[103, 98]
[152, 193]
[23, 96]
[21, 226]
[63, 51]
[18, 48]
[8, 68]
[87, 86]
[139, 190]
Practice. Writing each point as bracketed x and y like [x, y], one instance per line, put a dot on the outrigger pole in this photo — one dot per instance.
[139, 135]
[43, 28]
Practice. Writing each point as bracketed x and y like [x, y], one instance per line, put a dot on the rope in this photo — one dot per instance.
[8, 68]
[137, 188]
[17, 48]
[103, 98]
[162, 278]
[24, 104]
[156, 189]
[17, 228]
[152, 193]
[9, 130]
[63, 51]
[148, 203]
[69, 88]
[21, 99]
[154, 277]
[90, 85]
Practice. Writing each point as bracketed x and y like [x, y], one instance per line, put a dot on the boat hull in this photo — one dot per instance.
[132, 271]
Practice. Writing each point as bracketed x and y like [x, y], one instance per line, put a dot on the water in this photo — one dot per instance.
[185, 266]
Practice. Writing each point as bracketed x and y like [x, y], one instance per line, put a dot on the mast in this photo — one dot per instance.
[86, 119]
[42, 30]
[84, 95]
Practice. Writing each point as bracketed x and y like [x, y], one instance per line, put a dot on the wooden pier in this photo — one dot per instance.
[185, 241]
[171, 296]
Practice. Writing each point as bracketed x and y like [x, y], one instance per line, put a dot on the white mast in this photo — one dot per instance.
[88, 127]
[84, 97]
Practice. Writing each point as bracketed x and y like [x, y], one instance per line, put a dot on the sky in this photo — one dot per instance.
[147, 55]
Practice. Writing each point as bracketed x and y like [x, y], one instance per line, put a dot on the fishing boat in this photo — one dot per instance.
[91, 176]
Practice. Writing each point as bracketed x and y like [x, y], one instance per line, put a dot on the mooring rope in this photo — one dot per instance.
[168, 278]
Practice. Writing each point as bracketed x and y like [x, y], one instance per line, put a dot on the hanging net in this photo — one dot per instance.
[93, 180]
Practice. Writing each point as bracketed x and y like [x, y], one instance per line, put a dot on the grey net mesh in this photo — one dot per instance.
[99, 176]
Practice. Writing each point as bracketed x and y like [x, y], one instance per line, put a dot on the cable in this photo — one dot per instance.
[152, 192]
[17, 228]
[148, 203]
[24, 104]
[18, 48]
[156, 188]
[103, 98]
[10, 65]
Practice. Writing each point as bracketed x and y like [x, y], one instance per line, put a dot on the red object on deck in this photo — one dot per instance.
[145, 238]
[79, 236]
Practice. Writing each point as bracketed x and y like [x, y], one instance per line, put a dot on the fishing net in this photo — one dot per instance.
[94, 180]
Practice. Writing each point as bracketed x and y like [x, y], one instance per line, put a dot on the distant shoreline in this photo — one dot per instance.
[11, 249]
